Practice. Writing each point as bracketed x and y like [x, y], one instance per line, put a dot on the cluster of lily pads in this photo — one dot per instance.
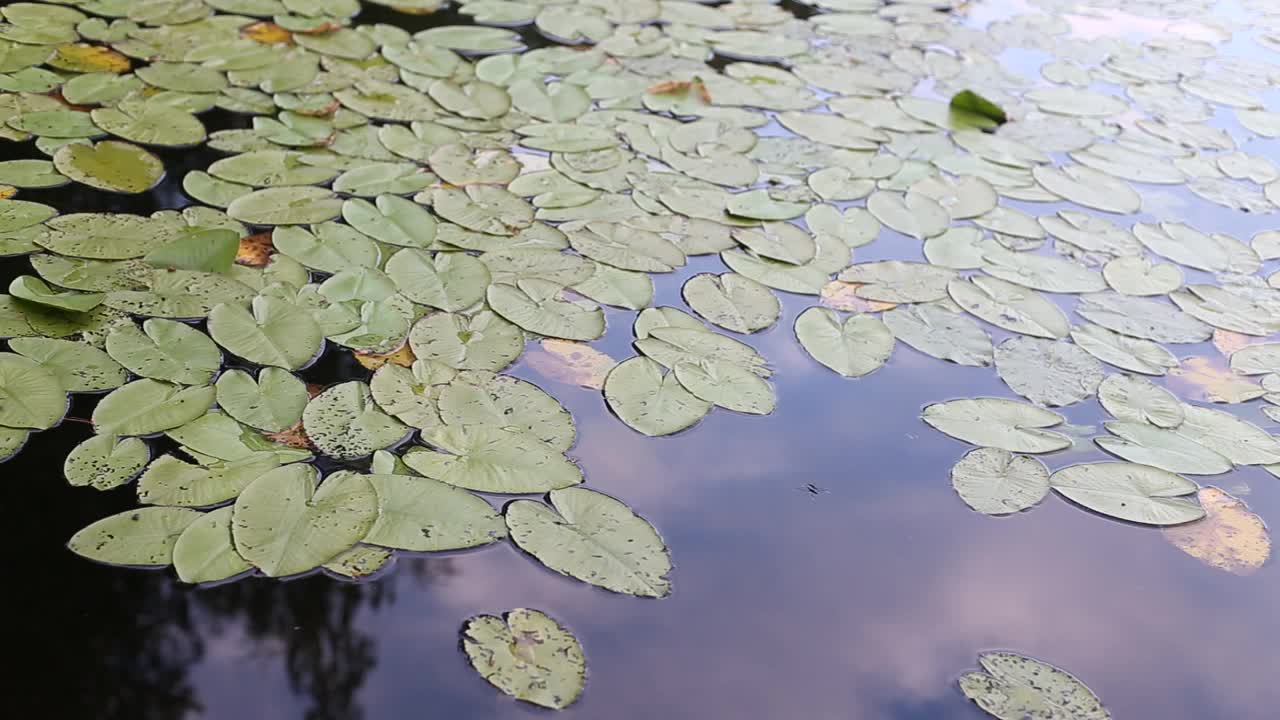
[431, 202]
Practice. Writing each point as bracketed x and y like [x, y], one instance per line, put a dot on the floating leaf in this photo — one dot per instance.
[971, 103]
[1012, 686]
[1009, 306]
[1137, 493]
[732, 301]
[1139, 400]
[417, 513]
[276, 332]
[344, 423]
[483, 341]
[286, 206]
[143, 536]
[495, 460]
[649, 401]
[34, 290]
[205, 552]
[1149, 445]
[594, 538]
[286, 522]
[165, 350]
[527, 655]
[1240, 441]
[212, 251]
[146, 406]
[998, 423]
[941, 333]
[1229, 538]
[78, 367]
[997, 482]
[899, 282]
[110, 165]
[535, 305]
[448, 281]
[858, 346]
[1046, 372]
[1122, 351]
[30, 395]
[104, 462]
[273, 402]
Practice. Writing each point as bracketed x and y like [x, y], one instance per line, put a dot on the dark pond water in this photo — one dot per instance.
[825, 570]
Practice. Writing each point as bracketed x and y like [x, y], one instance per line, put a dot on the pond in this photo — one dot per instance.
[831, 554]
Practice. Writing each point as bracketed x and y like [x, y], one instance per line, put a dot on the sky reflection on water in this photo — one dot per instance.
[863, 601]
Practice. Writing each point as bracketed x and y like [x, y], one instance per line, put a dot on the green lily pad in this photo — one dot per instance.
[999, 423]
[142, 537]
[110, 165]
[78, 367]
[1146, 444]
[726, 385]
[171, 481]
[535, 305]
[275, 332]
[1046, 372]
[527, 655]
[940, 333]
[30, 395]
[146, 406]
[298, 205]
[997, 482]
[393, 220]
[205, 551]
[287, 522]
[650, 401]
[273, 401]
[732, 301]
[34, 290]
[1016, 686]
[344, 423]
[448, 281]
[1127, 491]
[858, 346]
[165, 350]
[483, 341]
[421, 514]
[493, 460]
[104, 462]
[209, 251]
[594, 538]
[31, 174]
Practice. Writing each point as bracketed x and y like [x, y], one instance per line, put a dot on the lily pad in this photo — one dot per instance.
[1139, 400]
[494, 460]
[165, 350]
[344, 423]
[1127, 491]
[997, 482]
[110, 165]
[286, 522]
[999, 423]
[858, 346]
[143, 537]
[104, 462]
[146, 406]
[594, 538]
[528, 656]
[273, 401]
[732, 301]
[276, 332]
[941, 333]
[650, 401]
[421, 514]
[1013, 686]
[1046, 372]
[78, 367]
[535, 305]
[483, 341]
[205, 551]
[30, 395]
[1147, 444]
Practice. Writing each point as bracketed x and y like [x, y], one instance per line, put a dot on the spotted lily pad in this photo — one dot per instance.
[527, 655]
[1013, 686]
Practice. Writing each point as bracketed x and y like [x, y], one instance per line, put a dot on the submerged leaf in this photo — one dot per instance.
[1229, 538]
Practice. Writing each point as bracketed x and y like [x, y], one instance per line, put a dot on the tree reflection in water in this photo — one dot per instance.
[88, 641]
